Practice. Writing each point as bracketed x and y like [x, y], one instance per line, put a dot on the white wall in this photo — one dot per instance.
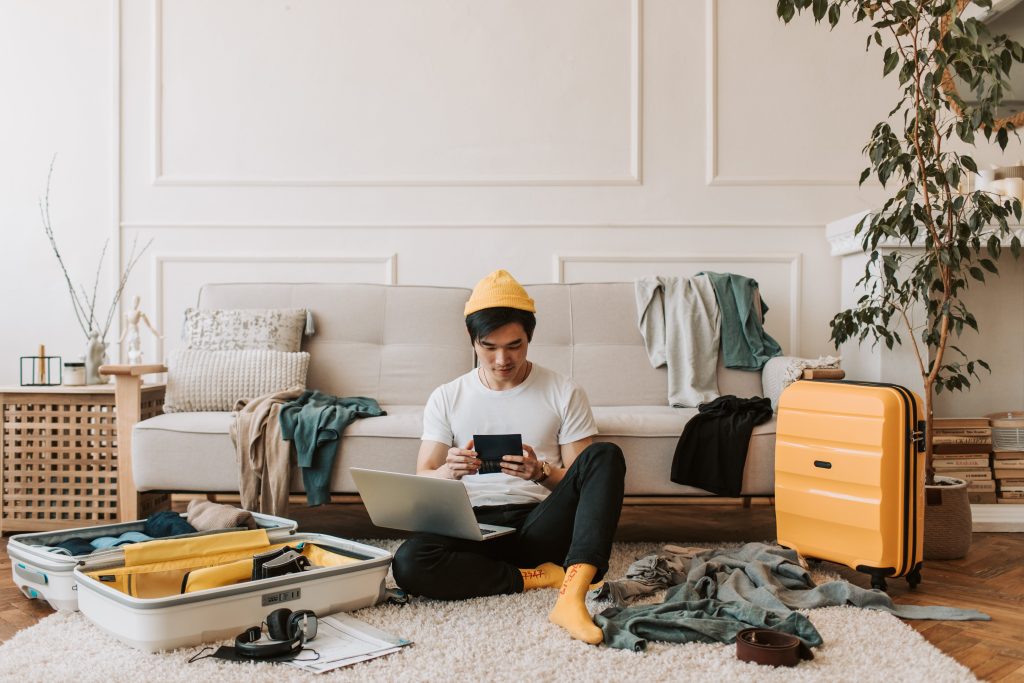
[427, 142]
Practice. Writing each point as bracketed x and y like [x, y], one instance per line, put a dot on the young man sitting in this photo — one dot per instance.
[562, 493]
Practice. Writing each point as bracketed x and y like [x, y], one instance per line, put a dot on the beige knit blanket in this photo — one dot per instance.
[263, 457]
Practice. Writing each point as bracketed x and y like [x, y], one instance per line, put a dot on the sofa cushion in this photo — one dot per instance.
[216, 380]
[193, 451]
[390, 342]
[244, 328]
[589, 332]
[648, 436]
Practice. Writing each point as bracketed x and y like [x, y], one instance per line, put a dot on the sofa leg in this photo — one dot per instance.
[746, 501]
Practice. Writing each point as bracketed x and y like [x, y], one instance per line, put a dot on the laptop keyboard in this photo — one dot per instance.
[487, 531]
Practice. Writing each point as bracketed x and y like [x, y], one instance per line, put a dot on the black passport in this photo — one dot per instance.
[491, 448]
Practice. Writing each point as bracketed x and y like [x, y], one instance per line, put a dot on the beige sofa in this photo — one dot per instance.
[396, 344]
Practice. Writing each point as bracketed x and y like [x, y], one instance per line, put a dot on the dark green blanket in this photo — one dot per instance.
[315, 421]
[745, 344]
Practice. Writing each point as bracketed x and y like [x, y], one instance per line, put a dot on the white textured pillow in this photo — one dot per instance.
[199, 380]
[781, 371]
[274, 329]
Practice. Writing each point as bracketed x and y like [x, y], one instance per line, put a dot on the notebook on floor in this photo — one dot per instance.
[413, 503]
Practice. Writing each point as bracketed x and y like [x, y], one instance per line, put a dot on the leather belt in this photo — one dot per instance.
[773, 648]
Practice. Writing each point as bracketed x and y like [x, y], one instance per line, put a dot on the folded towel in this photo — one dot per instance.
[167, 523]
[206, 515]
[76, 546]
[115, 541]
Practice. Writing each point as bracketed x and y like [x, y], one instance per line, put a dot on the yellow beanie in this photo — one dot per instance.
[499, 289]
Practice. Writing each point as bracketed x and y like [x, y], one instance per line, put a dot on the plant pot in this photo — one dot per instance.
[947, 520]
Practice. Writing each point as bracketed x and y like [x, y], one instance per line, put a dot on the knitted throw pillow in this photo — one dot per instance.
[244, 328]
[199, 380]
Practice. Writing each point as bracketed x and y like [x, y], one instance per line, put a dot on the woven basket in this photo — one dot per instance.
[947, 520]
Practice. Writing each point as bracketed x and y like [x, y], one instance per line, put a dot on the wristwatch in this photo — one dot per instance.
[545, 472]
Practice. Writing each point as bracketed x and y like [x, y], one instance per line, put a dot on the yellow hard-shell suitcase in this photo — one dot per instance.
[849, 482]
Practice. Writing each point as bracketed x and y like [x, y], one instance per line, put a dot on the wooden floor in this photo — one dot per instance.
[990, 579]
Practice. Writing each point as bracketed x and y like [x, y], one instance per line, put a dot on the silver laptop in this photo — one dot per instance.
[414, 503]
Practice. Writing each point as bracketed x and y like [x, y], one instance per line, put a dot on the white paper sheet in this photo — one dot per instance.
[343, 640]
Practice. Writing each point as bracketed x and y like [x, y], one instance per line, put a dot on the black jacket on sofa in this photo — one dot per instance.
[712, 450]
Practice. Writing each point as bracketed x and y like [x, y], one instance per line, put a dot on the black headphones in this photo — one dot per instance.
[288, 632]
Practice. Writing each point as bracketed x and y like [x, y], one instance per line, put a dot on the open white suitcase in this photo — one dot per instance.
[174, 619]
[44, 575]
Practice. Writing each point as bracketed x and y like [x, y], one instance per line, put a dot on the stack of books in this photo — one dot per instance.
[961, 448]
[1008, 469]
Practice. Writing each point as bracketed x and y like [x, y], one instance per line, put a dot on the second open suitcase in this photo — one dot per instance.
[178, 592]
[849, 482]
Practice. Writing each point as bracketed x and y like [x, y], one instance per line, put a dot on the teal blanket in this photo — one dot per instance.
[314, 422]
[745, 344]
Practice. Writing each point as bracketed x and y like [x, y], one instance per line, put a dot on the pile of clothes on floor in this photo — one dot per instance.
[713, 594]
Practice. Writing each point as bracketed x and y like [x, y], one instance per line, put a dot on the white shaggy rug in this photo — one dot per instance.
[503, 638]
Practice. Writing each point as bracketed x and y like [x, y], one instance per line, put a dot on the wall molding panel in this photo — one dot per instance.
[630, 176]
[712, 173]
[548, 225]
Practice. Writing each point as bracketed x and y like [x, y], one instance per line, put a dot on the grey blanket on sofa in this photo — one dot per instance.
[717, 593]
[679, 321]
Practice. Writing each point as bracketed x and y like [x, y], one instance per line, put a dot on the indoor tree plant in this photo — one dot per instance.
[958, 235]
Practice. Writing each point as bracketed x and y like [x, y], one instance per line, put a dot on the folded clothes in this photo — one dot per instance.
[206, 515]
[167, 523]
[115, 541]
[76, 546]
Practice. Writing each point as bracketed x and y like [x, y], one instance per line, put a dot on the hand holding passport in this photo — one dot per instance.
[491, 448]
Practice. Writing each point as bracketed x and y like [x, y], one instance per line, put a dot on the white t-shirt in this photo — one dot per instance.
[547, 409]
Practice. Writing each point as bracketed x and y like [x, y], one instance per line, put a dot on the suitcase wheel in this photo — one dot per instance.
[878, 582]
[914, 578]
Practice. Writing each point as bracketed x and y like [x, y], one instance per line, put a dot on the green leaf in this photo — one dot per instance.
[968, 163]
[786, 10]
[833, 17]
[819, 7]
[891, 60]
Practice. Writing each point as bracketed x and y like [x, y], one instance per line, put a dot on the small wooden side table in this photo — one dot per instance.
[58, 455]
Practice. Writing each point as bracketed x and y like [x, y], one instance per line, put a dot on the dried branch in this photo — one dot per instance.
[133, 258]
[83, 305]
[44, 210]
[96, 284]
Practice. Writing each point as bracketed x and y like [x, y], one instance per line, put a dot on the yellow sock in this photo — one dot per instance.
[548, 575]
[570, 610]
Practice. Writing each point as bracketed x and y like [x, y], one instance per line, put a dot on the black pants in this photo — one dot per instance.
[575, 524]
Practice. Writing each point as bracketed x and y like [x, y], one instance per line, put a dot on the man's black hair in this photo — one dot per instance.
[487, 320]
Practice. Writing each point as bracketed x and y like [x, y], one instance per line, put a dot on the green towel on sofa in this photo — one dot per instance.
[745, 344]
[314, 422]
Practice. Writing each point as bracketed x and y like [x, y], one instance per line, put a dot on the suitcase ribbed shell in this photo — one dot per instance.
[848, 480]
